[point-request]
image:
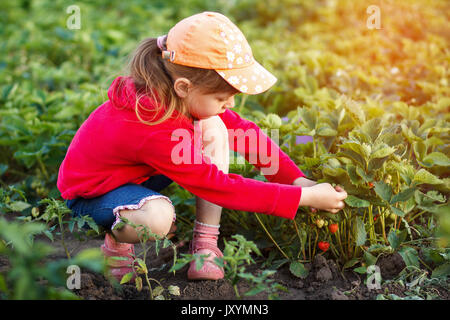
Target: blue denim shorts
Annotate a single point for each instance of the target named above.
(105, 209)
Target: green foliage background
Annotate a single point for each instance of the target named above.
(341, 83)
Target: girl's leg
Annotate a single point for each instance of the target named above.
(156, 215)
(140, 205)
(216, 147)
(206, 229)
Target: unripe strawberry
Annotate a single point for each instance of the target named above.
(41, 191)
(320, 222)
(388, 179)
(35, 212)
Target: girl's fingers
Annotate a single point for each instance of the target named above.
(342, 192)
(339, 208)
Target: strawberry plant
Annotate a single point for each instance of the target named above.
(387, 189)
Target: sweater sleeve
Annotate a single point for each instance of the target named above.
(246, 138)
(174, 154)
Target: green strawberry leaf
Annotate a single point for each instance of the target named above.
(298, 269)
(383, 190)
(356, 202)
(424, 177)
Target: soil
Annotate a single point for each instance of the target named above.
(325, 280)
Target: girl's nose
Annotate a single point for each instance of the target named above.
(230, 103)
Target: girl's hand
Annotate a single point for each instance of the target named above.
(340, 189)
(324, 197)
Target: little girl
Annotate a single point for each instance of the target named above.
(181, 87)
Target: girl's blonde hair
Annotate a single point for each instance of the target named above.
(154, 77)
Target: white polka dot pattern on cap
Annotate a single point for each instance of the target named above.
(238, 51)
(242, 72)
(253, 79)
(230, 56)
(233, 80)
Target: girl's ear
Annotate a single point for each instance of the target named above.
(182, 87)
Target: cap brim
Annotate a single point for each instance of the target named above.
(252, 79)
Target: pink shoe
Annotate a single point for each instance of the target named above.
(209, 270)
(118, 268)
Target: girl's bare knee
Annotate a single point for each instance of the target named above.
(156, 215)
(159, 216)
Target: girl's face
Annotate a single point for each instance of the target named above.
(203, 106)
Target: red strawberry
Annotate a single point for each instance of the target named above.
(333, 227)
(370, 185)
(323, 245)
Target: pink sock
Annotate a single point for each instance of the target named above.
(206, 233)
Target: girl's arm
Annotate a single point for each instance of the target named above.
(304, 182)
(182, 162)
(287, 169)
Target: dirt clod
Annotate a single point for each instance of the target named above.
(324, 274)
(390, 265)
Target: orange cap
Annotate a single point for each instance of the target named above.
(209, 40)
